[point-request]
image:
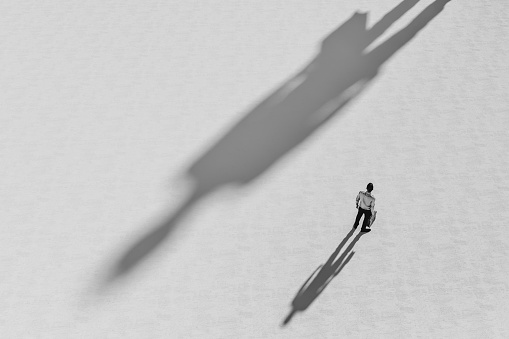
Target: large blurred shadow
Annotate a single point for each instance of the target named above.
(322, 276)
(288, 116)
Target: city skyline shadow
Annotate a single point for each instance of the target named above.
(322, 276)
(282, 121)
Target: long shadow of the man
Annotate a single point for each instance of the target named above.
(322, 276)
(287, 117)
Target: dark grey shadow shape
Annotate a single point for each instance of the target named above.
(322, 276)
(287, 117)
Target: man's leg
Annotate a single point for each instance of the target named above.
(359, 214)
(365, 222)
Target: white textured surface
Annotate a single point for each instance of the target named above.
(105, 103)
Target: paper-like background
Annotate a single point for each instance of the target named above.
(105, 103)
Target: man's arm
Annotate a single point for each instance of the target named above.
(373, 206)
(357, 200)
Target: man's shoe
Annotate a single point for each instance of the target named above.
(365, 230)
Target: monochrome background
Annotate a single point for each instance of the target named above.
(105, 104)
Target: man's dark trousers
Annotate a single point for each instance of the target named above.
(367, 217)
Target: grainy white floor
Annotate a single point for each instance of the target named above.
(104, 104)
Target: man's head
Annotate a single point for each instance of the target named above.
(369, 187)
